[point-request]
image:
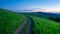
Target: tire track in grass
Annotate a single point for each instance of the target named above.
(19, 30)
(29, 27)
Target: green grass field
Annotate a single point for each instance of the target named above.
(10, 21)
(45, 26)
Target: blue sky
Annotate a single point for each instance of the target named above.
(48, 5)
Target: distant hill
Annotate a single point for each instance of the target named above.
(42, 14)
(58, 14)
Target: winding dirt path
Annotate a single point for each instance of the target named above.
(29, 28)
(21, 27)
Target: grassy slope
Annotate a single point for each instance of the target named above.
(45, 26)
(9, 21)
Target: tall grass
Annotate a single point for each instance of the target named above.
(10, 21)
(45, 26)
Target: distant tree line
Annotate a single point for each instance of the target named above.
(55, 19)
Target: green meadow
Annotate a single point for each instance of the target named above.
(10, 21)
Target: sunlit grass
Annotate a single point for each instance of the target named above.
(45, 26)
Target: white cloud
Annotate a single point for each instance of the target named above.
(47, 10)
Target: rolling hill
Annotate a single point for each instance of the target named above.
(42, 14)
(10, 21)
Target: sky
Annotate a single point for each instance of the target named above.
(34, 5)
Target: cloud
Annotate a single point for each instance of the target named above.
(47, 10)
(24, 10)
(39, 10)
